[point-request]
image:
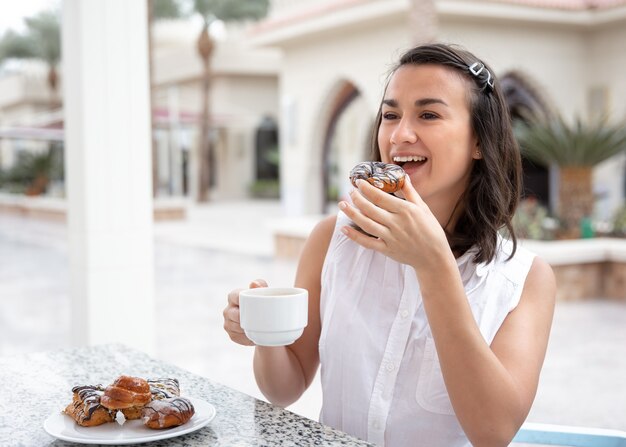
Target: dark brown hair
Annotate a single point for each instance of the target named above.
(491, 198)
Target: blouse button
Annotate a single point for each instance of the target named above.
(390, 367)
(404, 313)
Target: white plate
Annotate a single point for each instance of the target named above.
(63, 427)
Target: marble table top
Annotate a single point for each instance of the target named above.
(34, 386)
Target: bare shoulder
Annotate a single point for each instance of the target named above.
(318, 241)
(325, 227)
(540, 286)
(311, 262)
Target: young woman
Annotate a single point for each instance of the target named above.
(432, 329)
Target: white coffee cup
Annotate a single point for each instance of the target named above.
(273, 316)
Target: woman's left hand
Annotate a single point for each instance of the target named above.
(405, 230)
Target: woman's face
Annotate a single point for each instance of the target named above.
(426, 129)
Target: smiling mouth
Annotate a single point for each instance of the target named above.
(402, 160)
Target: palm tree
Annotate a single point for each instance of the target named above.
(210, 11)
(575, 149)
(41, 40)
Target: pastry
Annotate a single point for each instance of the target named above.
(164, 388)
(165, 413)
(128, 394)
(86, 408)
(385, 176)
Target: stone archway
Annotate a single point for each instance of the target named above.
(526, 102)
(344, 140)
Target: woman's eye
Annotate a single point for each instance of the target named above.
(389, 116)
(428, 116)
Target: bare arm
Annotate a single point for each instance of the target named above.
(491, 387)
(283, 373)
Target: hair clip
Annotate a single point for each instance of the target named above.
(476, 69)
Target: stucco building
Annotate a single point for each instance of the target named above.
(313, 72)
(243, 104)
(554, 56)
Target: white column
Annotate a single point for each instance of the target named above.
(108, 172)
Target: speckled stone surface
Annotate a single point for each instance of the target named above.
(34, 386)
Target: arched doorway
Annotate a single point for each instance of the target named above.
(266, 150)
(526, 103)
(345, 141)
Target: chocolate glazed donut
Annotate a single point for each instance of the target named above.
(385, 176)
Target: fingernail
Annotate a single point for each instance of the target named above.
(342, 205)
(344, 230)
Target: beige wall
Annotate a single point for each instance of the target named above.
(243, 101)
(561, 59)
(606, 66)
(311, 74)
(238, 103)
(554, 57)
(605, 69)
(28, 86)
(244, 88)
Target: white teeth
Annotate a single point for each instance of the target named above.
(409, 158)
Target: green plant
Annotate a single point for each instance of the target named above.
(272, 156)
(619, 222)
(532, 221)
(575, 149)
(579, 144)
(266, 189)
(32, 172)
(209, 11)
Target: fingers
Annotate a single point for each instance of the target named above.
(376, 196)
(364, 222)
(366, 241)
(232, 326)
(373, 209)
(232, 322)
(233, 297)
(409, 192)
(258, 283)
(236, 333)
(231, 319)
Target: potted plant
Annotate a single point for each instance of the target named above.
(575, 148)
(32, 172)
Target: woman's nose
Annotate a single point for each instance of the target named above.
(403, 133)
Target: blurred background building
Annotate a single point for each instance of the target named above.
(243, 104)
(293, 96)
(551, 57)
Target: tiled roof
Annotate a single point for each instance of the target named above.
(310, 10)
(567, 4)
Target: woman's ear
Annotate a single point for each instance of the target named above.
(477, 154)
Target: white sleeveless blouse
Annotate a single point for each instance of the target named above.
(380, 374)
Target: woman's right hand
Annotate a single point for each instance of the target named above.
(232, 324)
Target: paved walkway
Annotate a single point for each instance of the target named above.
(223, 246)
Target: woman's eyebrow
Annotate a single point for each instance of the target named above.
(419, 103)
(427, 101)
